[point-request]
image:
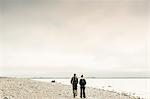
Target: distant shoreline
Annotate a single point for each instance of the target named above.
(85, 77)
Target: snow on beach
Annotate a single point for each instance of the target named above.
(19, 88)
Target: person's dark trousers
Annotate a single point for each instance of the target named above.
(74, 90)
(82, 92)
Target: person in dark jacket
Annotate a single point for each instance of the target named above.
(82, 87)
(74, 82)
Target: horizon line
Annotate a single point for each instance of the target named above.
(79, 77)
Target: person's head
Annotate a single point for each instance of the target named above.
(74, 74)
(81, 76)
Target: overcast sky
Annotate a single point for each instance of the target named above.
(47, 36)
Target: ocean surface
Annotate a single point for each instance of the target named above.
(135, 87)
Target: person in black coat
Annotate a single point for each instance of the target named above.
(74, 82)
(82, 87)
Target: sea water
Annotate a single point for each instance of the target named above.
(134, 87)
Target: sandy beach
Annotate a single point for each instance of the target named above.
(19, 88)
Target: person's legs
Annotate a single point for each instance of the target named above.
(84, 92)
(73, 89)
(74, 93)
(81, 92)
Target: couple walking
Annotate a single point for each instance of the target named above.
(82, 82)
